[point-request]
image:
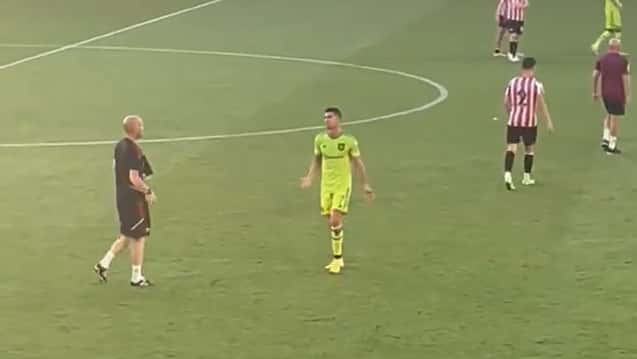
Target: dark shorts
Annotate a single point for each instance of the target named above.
(526, 135)
(614, 107)
(515, 27)
(134, 216)
(502, 22)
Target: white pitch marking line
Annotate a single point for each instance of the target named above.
(443, 94)
(108, 34)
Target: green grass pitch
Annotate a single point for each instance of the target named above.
(445, 264)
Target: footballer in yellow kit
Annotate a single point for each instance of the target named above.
(613, 24)
(335, 152)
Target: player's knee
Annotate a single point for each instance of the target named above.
(335, 222)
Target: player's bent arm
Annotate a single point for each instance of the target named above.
(138, 182)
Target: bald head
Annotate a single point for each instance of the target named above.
(614, 45)
(133, 126)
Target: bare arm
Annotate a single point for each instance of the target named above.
(596, 76)
(357, 161)
(315, 164)
(507, 104)
(138, 183)
(627, 88)
(545, 112)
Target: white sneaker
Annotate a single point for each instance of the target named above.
(513, 58)
(528, 181)
(508, 181)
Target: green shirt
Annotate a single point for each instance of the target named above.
(336, 154)
(611, 5)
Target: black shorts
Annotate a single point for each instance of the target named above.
(614, 107)
(502, 22)
(515, 27)
(526, 135)
(134, 215)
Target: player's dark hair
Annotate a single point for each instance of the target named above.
(528, 63)
(334, 110)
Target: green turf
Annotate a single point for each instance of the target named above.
(445, 264)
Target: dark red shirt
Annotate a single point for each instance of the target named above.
(128, 156)
(613, 66)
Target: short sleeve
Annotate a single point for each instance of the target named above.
(317, 146)
(507, 90)
(132, 158)
(354, 150)
(626, 67)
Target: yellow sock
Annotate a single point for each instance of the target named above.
(337, 242)
(605, 35)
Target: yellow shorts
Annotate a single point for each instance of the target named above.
(613, 20)
(335, 200)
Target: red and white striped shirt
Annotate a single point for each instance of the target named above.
(522, 94)
(502, 8)
(516, 9)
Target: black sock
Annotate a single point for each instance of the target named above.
(508, 161)
(513, 47)
(528, 163)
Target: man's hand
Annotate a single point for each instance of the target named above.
(550, 126)
(369, 192)
(151, 198)
(306, 182)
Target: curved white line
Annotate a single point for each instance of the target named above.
(443, 94)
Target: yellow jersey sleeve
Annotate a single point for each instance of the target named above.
(354, 149)
(317, 145)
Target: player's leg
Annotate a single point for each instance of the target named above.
(513, 138)
(614, 131)
(606, 132)
(340, 206)
(515, 32)
(336, 236)
(607, 34)
(101, 268)
(617, 24)
(137, 235)
(137, 246)
(499, 36)
(612, 25)
(529, 138)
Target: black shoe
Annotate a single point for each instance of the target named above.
(142, 283)
(605, 145)
(616, 151)
(101, 273)
(509, 186)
